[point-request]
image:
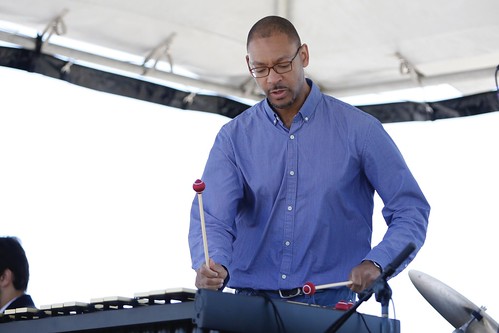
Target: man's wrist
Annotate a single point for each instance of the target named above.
(377, 266)
(226, 280)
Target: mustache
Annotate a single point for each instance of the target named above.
(277, 87)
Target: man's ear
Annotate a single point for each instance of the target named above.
(305, 57)
(6, 278)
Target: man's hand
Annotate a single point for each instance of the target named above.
(363, 275)
(210, 277)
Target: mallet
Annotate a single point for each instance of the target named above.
(309, 288)
(199, 187)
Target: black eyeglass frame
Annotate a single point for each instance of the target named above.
(278, 71)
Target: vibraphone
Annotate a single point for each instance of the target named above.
(185, 310)
(169, 310)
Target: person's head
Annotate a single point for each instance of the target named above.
(13, 263)
(274, 42)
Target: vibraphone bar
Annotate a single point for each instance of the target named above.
(184, 310)
(169, 310)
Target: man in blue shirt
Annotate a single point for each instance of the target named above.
(290, 185)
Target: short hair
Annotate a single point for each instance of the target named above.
(269, 25)
(13, 257)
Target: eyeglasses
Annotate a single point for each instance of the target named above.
(280, 68)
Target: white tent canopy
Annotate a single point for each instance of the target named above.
(356, 47)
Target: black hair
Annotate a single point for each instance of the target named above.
(13, 257)
(270, 25)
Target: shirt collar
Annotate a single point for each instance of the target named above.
(2, 310)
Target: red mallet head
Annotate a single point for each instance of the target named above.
(198, 186)
(308, 288)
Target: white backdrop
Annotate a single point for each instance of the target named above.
(98, 188)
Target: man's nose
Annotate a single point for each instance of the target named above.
(273, 76)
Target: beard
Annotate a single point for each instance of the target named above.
(277, 103)
(282, 106)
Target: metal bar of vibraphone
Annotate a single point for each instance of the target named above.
(177, 316)
(211, 310)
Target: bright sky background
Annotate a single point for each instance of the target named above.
(98, 188)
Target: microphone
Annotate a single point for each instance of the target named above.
(379, 287)
(388, 271)
(392, 267)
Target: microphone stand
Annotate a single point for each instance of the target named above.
(475, 316)
(379, 287)
(383, 295)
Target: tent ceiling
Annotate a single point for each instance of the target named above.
(356, 47)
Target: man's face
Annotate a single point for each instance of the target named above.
(284, 91)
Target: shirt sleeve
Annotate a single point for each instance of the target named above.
(406, 210)
(220, 201)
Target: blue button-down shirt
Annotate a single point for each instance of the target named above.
(283, 207)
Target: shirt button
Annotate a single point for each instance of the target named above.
(290, 208)
(292, 137)
(306, 118)
(287, 243)
(292, 173)
(283, 276)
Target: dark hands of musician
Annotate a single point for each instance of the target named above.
(363, 275)
(212, 277)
